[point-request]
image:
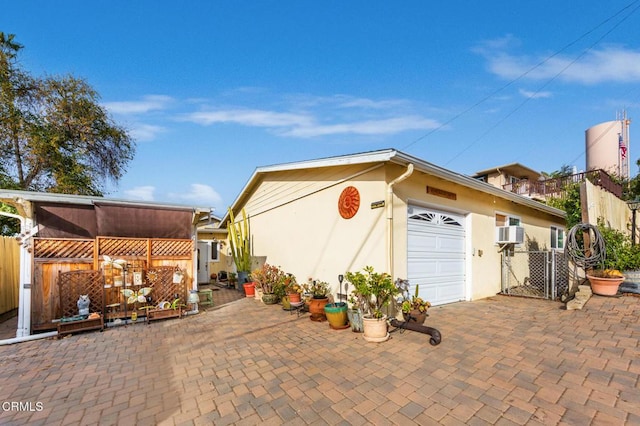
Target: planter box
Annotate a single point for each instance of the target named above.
(157, 314)
(80, 325)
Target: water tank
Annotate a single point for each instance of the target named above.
(603, 147)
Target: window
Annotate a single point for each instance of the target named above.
(557, 238)
(214, 250)
(506, 220)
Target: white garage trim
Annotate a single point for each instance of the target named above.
(436, 254)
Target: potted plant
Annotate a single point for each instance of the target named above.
(319, 291)
(239, 240)
(292, 289)
(269, 279)
(372, 292)
(620, 255)
(413, 308)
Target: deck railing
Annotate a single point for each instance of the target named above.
(556, 186)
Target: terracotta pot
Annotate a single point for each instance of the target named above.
(605, 286)
(249, 289)
(316, 308)
(336, 314)
(415, 316)
(375, 330)
(294, 297)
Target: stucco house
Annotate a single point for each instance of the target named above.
(395, 212)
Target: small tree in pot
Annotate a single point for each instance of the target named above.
(372, 292)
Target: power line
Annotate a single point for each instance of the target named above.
(510, 83)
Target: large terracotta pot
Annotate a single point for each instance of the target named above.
(316, 309)
(605, 286)
(337, 315)
(375, 330)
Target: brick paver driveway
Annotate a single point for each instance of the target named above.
(501, 361)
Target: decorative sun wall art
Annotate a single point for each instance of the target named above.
(349, 202)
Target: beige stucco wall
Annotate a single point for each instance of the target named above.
(483, 270)
(599, 203)
(295, 223)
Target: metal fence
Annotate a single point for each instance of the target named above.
(542, 274)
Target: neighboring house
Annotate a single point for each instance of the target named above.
(61, 233)
(397, 213)
(213, 249)
(512, 177)
(524, 181)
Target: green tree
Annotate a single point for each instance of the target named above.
(569, 201)
(54, 134)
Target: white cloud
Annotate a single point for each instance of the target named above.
(306, 124)
(199, 194)
(607, 64)
(142, 193)
(534, 95)
(369, 127)
(249, 117)
(145, 132)
(147, 104)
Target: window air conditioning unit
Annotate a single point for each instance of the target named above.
(510, 235)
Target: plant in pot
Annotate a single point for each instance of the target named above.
(292, 289)
(372, 292)
(620, 255)
(319, 291)
(413, 308)
(269, 280)
(240, 245)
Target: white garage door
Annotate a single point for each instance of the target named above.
(436, 255)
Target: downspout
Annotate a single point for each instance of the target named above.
(389, 204)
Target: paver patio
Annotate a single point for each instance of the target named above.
(504, 361)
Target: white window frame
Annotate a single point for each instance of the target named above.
(510, 220)
(555, 231)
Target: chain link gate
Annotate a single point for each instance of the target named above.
(542, 274)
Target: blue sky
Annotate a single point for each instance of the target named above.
(211, 90)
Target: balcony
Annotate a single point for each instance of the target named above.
(554, 187)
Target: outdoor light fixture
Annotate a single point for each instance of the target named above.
(633, 205)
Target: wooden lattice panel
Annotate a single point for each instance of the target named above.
(162, 248)
(74, 283)
(49, 248)
(164, 289)
(115, 247)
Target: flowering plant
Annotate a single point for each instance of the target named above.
(319, 289)
(291, 285)
(269, 278)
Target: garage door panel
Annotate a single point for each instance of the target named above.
(436, 255)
